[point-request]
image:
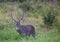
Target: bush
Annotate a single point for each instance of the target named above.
(25, 6)
(12, 1)
(49, 19)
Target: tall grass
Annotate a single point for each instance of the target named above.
(8, 32)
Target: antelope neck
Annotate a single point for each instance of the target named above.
(17, 27)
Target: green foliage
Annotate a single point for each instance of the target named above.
(49, 19)
(12, 1)
(2, 26)
(50, 15)
(10, 35)
(25, 6)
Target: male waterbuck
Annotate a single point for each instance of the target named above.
(23, 29)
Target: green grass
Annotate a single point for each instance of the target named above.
(9, 34)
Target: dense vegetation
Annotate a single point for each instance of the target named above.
(43, 15)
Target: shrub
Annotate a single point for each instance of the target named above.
(12, 1)
(49, 19)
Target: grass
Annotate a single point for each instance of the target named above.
(8, 32)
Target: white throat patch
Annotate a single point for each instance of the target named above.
(17, 28)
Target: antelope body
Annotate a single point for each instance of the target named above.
(23, 29)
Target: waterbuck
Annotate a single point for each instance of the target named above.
(28, 30)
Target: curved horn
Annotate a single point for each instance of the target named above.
(21, 18)
(13, 20)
